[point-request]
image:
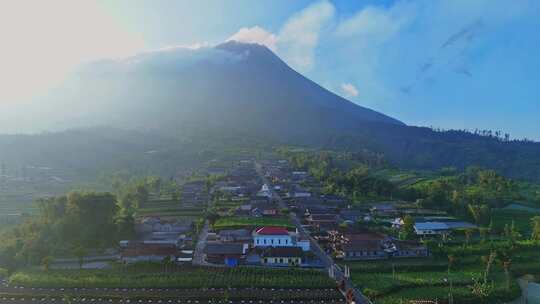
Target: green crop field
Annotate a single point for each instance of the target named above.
(238, 222)
(402, 280)
(150, 275)
(171, 208)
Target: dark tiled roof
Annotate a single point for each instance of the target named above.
(150, 249)
(363, 246)
(323, 217)
(235, 233)
(219, 248)
(283, 252)
(409, 245)
(365, 236)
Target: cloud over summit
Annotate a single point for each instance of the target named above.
(257, 35)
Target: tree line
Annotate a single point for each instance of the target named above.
(76, 224)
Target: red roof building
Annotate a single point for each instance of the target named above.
(270, 230)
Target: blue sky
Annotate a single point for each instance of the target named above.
(449, 63)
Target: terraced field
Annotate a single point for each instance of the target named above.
(428, 279)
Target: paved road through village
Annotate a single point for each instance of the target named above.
(327, 260)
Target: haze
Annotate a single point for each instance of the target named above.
(469, 64)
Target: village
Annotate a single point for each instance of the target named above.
(267, 214)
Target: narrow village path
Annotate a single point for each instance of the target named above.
(326, 259)
(198, 254)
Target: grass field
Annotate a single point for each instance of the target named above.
(150, 275)
(239, 222)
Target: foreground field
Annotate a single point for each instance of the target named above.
(151, 276)
(398, 281)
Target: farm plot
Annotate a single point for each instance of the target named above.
(171, 208)
(243, 222)
(150, 276)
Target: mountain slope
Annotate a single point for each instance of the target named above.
(244, 91)
(233, 86)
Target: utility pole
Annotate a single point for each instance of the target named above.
(331, 273)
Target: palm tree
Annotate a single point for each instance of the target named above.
(468, 232)
(535, 223)
(483, 231)
(46, 262)
(506, 262)
(166, 262)
(451, 260)
(488, 260)
(79, 252)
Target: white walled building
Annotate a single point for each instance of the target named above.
(278, 237)
(272, 237)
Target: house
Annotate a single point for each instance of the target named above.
(383, 209)
(244, 209)
(366, 246)
(372, 246)
(259, 200)
(320, 209)
(304, 244)
(282, 256)
(334, 200)
(299, 175)
(431, 228)
(439, 225)
(364, 250)
(409, 249)
(351, 215)
(230, 254)
(142, 252)
(456, 225)
(237, 235)
(265, 191)
(154, 224)
(324, 222)
(301, 193)
(366, 236)
(185, 257)
(272, 237)
(263, 210)
(322, 217)
(397, 223)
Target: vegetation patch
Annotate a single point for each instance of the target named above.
(240, 222)
(149, 275)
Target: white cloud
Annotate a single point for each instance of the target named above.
(349, 90)
(299, 36)
(193, 46)
(376, 25)
(257, 35)
(297, 39)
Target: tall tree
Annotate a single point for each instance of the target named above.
(506, 262)
(535, 223)
(80, 253)
(407, 230)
